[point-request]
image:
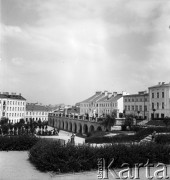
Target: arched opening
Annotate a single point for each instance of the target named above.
(85, 129)
(80, 128)
(70, 127)
(91, 129)
(66, 125)
(62, 124)
(74, 127)
(99, 128)
(59, 124)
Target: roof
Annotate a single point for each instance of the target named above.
(7, 96)
(115, 98)
(160, 85)
(92, 98)
(134, 95)
(34, 107)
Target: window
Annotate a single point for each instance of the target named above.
(152, 105)
(152, 95)
(125, 100)
(145, 108)
(162, 105)
(129, 100)
(133, 108)
(140, 99)
(125, 107)
(157, 105)
(162, 94)
(136, 99)
(132, 100)
(136, 108)
(140, 108)
(129, 108)
(157, 94)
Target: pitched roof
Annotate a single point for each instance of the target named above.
(114, 98)
(160, 85)
(134, 95)
(35, 107)
(7, 96)
(92, 98)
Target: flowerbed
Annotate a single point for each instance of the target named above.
(53, 156)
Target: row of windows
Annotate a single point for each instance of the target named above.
(100, 105)
(14, 114)
(136, 108)
(158, 105)
(36, 113)
(19, 103)
(135, 100)
(14, 108)
(158, 95)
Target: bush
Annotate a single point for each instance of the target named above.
(17, 143)
(52, 156)
(140, 134)
(162, 139)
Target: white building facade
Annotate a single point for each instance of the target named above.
(36, 112)
(12, 106)
(137, 105)
(159, 101)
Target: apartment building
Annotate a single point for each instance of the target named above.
(159, 100)
(36, 112)
(137, 104)
(103, 103)
(12, 106)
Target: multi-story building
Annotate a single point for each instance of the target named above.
(36, 112)
(12, 106)
(137, 104)
(103, 103)
(159, 101)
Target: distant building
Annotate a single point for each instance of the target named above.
(36, 112)
(137, 104)
(159, 100)
(12, 106)
(103, 103)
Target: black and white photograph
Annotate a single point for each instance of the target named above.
(84, 89)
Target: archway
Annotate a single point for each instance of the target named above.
(91, 129)
(62, 124)
(85, 129)
(99, 128)
(74, 127)
(70, 126)
(66, 125)
(80, 128)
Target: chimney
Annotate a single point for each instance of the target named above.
(105, 93)
(109, 94)
(114, 94)
(159, 83)
(19, 94)
(163, 82)
(98, 92)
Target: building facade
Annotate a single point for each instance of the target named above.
(103, 103)
(12, 106)
(159, 101)
(137, 104)
(36, 112)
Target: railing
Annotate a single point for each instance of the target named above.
(78, 117)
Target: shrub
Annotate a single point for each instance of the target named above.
(162, 139)
(52, 156)
(18, 143)
(142, 133)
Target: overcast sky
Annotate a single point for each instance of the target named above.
(62, 51)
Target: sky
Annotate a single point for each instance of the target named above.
(63, 51)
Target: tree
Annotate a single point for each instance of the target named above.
(22, 121)
(129, 120)
(108, 121)
(4, 121)
(166, 121)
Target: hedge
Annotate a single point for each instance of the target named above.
(17, 143)
(127, 138)
(53, 156)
